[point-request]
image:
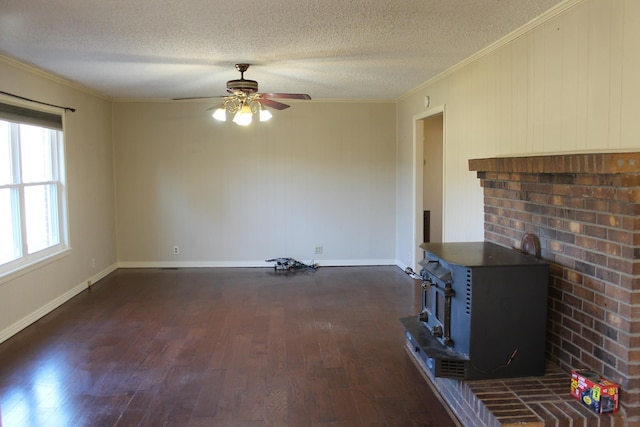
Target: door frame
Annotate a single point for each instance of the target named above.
(418, 178)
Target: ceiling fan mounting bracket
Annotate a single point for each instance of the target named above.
(242, 68)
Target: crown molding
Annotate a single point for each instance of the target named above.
(52, 77)
(529, 26)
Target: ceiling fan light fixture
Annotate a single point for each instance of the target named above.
(265, 114)
(220, 114)
(244, 116)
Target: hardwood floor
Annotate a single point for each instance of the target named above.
(223, 347)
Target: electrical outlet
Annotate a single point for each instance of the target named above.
(176, 250)
(318, 250)
(93, 263)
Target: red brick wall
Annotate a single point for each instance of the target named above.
(585, 209)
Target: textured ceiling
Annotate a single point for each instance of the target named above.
(330, 49)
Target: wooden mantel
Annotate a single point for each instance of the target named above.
(594, 163)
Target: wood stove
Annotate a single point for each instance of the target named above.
(484, 312)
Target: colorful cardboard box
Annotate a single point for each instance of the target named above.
(595, 392)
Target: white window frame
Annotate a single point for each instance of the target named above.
(27, 262)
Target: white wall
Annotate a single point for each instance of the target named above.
(566, 83)
(89, 160)
(317, 174)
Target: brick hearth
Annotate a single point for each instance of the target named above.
(522, 402)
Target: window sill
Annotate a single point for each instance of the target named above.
(36, 264)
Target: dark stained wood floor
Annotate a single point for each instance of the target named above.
(223, 347)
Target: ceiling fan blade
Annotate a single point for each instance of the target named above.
(286, 95)
(273, 104)
(198, 97)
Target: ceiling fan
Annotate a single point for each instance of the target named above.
(244, 100)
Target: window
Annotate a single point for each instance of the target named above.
(32, 192)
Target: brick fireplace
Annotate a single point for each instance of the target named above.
(585, 209)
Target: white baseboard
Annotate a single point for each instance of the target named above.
(401, 265)
(52, 305)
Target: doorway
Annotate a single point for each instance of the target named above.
(429, 178)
